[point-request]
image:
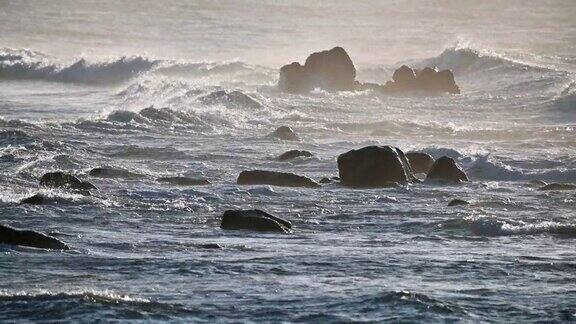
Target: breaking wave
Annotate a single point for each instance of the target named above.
(21, 64)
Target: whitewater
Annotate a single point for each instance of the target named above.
(137, 85)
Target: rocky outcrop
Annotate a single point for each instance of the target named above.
(183, 181)
(428, 79)
(420, 162)
(292, 154)
(374, 166)
(558, 186)
(107, 172)
(458, 202)
(37, 199)
(273, 178)
(333, 70)
(255, 220)
(285, 133)
(66, 181)
(445, 169)
(330, 70)
(12, 236)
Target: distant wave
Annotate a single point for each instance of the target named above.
(83, 305)
(19, 64)
(461, 59)
(493, 226)
(485, 168)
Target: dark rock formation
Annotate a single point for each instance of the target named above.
(256, 220)
(445, 169)
(331, 70)
(374, 166)
(107, 172)
(420, 162)
(559, 186)
(37, 199)
(428, 79)
(281, 179)
(230, 99)
(62, 180)
(458, 202)
(184, 181)
(9, 235)
(292, 154)
(285, 133)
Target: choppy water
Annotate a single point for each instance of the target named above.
(76, 85)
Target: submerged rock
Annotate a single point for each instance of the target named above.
(107, 172)
(62, 180)
(374, 166)
(458, 202)
(184, 181)
(12, 236)
(330, 70)
(420, 162)
(285, 133)
(292, 154)
(256, 220)
(37, 199)
(228, 99)
(445, 169)
(274, 178)
(558, 186)
(536, 183)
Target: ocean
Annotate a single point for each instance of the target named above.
(86, 84)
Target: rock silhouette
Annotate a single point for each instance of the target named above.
(256, 220)
(12, 236)
(330, 70)
(558, 186)
(273, 178)
(107, 172)
(458, 202)
(285, 133)
(292, 154)
(428, 79)
(374, 166)
(445, 169)
(420, 162)
(62, 180)
(184, 181)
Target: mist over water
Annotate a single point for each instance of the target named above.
(132, 85)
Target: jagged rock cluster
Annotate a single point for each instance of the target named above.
(333, 70)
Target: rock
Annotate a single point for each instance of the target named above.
(420, 162)
(294, 79)
(107, 172)
(559, 186)
(9, 235)
(256, 220)
(183, 181)
(374, 166)
(292, 154)
(37, 199)
(458, 202)
(404, 75)
(285, 133)
(230, 99)
(427, 79)
(331, 70)
(62, 180)
(445, 169)
(211, 246)
(273, 178)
